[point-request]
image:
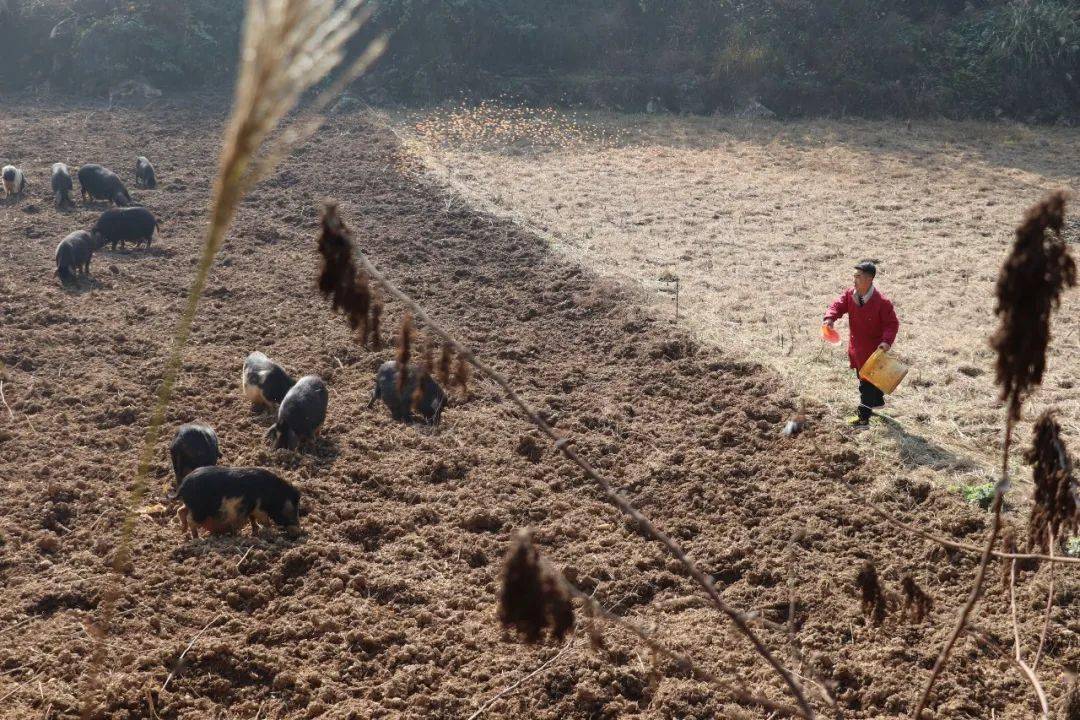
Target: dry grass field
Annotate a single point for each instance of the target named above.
(761, 222)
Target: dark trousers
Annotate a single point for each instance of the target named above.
(870, 397)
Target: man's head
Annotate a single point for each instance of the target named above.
(864, 276)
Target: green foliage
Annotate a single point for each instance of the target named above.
(1072, 547)
(981, 495)
(870, 57)
(1022, 58)
(93, 45)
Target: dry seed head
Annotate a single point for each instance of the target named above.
(531, 597)
(426, 363)
(404, 352)
(917, 604)
(445, 359)
(376, 316)
(873, 596)
(339, 278)
(1032, 279)
(1055, 509)
(343, 282)
(461, 375)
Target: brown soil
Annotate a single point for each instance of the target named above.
(387, 607)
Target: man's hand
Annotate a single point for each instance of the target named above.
(829, 324)
(885, 346)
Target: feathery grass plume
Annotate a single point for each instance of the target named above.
(1055, 510)
(873, 595)
(1032, 279)
(917, 604)
(288, 46)
(531, 598)
(446, 357)
(404, 352)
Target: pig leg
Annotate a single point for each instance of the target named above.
(182, 513)
(254, 525)
(374, 395)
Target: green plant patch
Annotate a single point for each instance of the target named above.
(982, 495)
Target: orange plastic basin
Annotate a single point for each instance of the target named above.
(829, 334)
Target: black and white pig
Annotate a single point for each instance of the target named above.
(144, 173)
(193, 447)
(119, 225)
(74, 254)
(102, 184)
(61, 184)
(14, 181)
(432, 397)
(300, 414)
(223, 500)
(264, 381)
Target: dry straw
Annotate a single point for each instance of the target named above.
(288, 46)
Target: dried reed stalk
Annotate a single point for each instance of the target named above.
(288, 46)
(404, 354)
(1032, 279)
(1046, 613)
(624, 505)
(1018, 655)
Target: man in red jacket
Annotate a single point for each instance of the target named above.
(872, 323)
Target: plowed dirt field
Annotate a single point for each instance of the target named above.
(385, 608)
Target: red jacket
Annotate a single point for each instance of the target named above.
(870, 325)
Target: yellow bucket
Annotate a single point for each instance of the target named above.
(883, 371)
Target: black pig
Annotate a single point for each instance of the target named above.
(144, 173)
(301, 413)
(222, 500)
(119, 225)
(61, 184)
(102, 184)
(193, 447)
(264, 381)
(432, 397)
(74, 254)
